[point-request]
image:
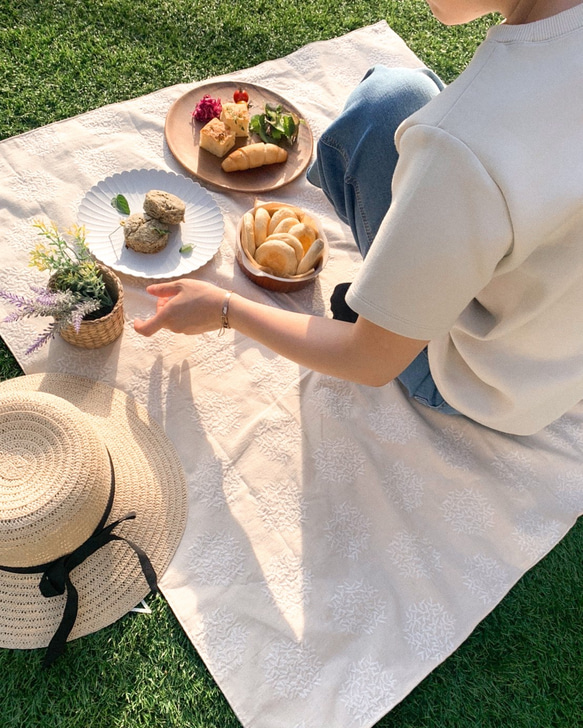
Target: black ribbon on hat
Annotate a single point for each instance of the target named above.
(56, 575)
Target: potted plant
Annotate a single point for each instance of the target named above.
(84, 298)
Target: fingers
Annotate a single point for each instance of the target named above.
(163, 292)
(149, 327)
(185, 307)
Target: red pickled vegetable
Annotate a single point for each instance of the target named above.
(207, 109)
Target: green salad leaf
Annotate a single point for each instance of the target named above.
(275, 125)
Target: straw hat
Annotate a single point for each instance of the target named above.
(77, 457)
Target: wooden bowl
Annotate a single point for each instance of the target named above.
(266, 280)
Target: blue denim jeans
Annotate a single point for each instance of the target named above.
(356, 158)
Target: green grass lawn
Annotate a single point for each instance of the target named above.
(521, 668)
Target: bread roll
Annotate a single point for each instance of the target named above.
(312, 257)
(248, 233)
(262, 219)
(285, 225)
(252, 156)
(278, 257)
(281, 214)
(304, 233)
(291, 241)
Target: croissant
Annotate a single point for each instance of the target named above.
(253, 155)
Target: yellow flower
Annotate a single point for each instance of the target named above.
(78, 232)
(38, 257)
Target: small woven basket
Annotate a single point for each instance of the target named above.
(102, 331)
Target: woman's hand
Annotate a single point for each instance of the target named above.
(361, 352)
(185, 307)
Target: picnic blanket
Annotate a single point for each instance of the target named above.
(342, 540)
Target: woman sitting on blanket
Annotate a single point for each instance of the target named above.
(471, 290)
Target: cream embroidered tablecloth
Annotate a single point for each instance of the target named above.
(341, 540)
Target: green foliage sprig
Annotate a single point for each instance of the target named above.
(70, 262)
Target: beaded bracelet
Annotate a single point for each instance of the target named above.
(225, 314)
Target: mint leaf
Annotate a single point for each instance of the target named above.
(120, 203)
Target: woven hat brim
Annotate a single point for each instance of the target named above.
(149, 480)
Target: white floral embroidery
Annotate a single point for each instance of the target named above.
(221, 640)
(570, 490)
(404, 486)
(535, 534)
(485, 577)
(514, 469)
(280, 505)
(253, 76)
(310, 299)
(278, 437)
(430, 630)
(97, 163)
(22, 237)
(18, 280)
(210, 354)
(288, 584)
(22, 336)
(95, 364)
(339, 461)
(292, 669)
(313, 199)
(160, 341)
(368, 689)
(216, 558)
(393, 423)
(220, 414)
(34, 186)
(305, 61)
(214, 483)
(157, 103)
(348, 531)
(274, 376)
(318, 127)
(566, 432)
(468, 511)
(153, 141)
(454, 448)
(151, 386)
(414, 556)
(357, 608)
(333, 398)
(43, 142)
(104, 121)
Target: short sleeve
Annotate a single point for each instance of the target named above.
(447, 229)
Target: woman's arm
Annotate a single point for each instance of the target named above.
(361, 352)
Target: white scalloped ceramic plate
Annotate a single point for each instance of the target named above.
(203, 225)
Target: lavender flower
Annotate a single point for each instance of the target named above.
(77, 287)
(67, 309)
